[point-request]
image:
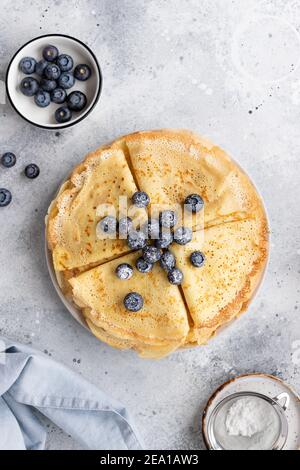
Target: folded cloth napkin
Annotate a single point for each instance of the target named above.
(30, 381)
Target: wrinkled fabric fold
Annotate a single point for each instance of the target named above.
(30, 381)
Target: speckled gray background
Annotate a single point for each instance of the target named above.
(227, 69)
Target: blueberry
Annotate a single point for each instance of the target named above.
(32, 171)
(58, 95)
(8, 159)
(42, 98)
(5, 197)
(183, 235)
(151, 254)
(167, 260)
(63, 114)
(168, 219)
(50, 53)
(165, 239)
(29, 86)
(40, 67)
(151, 229)
(76, 101)
(108, 224)
(52, 72)
(140, 199)
(143, 266)
(124, 271)
(133, 302)
(175, 276)
(197, 259)
(194, 203)
(82, 72)
(48, 85)
(125, 226)
(65, 62)
(66, 80)
(136, 240)
(27, 65)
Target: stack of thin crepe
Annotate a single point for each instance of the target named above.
(232, 233)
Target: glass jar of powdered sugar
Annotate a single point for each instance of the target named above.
(249, 421)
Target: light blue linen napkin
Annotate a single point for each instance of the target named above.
(31, 381)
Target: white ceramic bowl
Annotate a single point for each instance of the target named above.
(44, 117)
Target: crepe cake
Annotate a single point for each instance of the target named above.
(169, 165)
(99, 181)
(162, 323)
(233, 234)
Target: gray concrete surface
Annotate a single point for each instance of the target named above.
(226, 69)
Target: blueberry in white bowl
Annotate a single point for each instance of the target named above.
(28, 65)
(48, 85)
(54, 55)
(40, 67)
(42, 98)
(76, 101)
(66, 80)
(82, 72)
(50, 53)
(29, 86)
(52, 72)
(65, 62)
(63, 114)
(58, 95)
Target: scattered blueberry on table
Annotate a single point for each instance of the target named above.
(55, 76)
(8, 159)
(5, 197)
(32, 171)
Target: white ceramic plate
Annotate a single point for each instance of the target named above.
(266, 385)
(44, 117)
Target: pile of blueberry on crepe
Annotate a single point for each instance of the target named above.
(55, 76)
(163, 233)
